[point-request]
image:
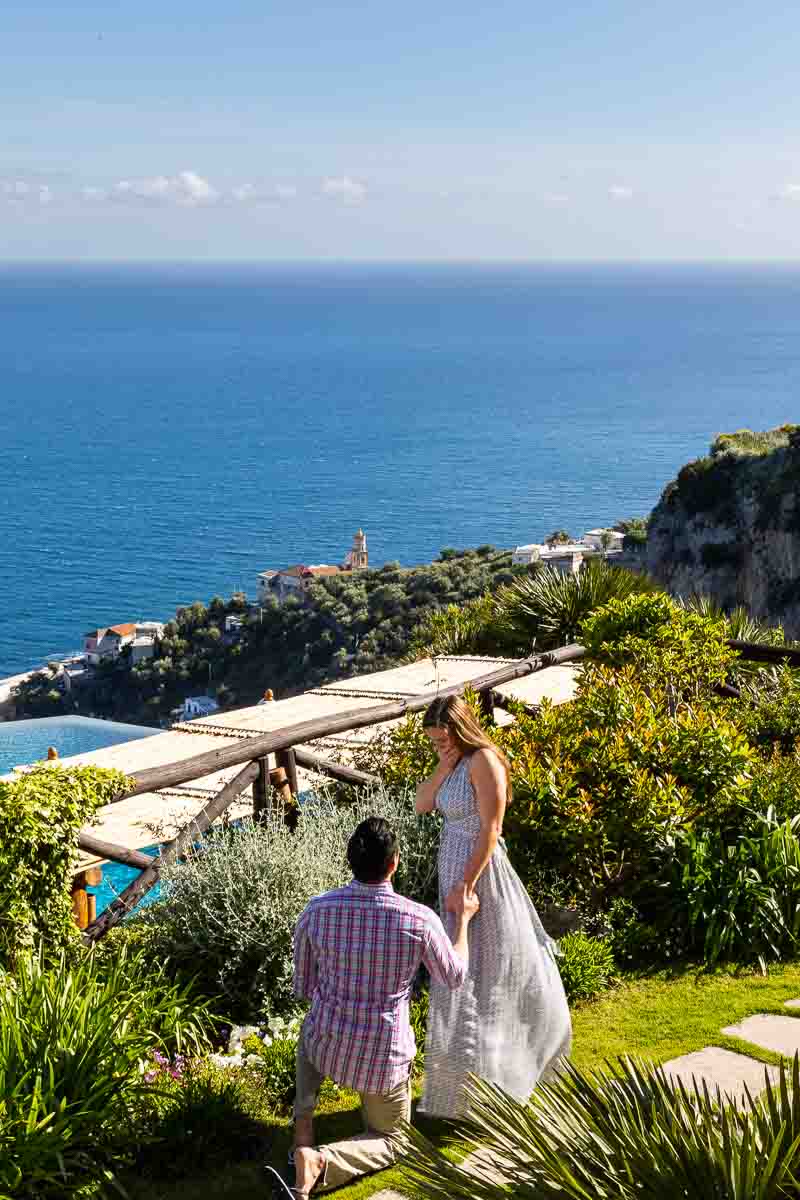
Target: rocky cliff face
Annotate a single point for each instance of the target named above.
(729, 526)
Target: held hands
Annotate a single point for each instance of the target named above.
(461, 901)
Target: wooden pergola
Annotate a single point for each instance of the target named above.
(252, 756)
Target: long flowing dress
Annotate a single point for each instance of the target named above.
(509, 1022)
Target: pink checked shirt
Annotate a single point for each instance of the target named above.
(356, 952)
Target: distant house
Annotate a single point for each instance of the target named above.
(293, 581)
(197, 706)
(566, 557)
(75, 674)
(151, 629)
(609, 540)
(100, 644)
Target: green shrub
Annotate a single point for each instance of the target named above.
(41, 812)
(418, 1015)
(601, 784)
(628, 1133)
(776, 786)
(231, 908)
(586, 965)
(72, 1037)
(197, 1118)
(671, 646)
(769, 710)
(739, 898)
(277, 1063)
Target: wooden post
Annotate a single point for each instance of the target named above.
(261, 789)
(282, 791)
(486, 699)
(84, 906)
(287, 760)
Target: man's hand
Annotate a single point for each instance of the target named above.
(471, 904)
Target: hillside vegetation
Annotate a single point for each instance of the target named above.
(352, 624)
(729, 526)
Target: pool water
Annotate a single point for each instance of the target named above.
(24, 742)
(116, 878)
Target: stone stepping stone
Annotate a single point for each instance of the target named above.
(791, 1004)
(723, 1069)
(780, 1034)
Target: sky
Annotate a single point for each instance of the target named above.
(256, 130)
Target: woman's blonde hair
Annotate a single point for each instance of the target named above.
(454, 714)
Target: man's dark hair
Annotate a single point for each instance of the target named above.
(371, 849)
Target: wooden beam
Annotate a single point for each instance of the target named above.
(113, 852)
(140, 886)
(756, 652)
(152, 779)
(325, 766)
(510, 704)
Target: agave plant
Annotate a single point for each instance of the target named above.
(628, 1133)
(545, 610)
(741, 627)
(457, 629)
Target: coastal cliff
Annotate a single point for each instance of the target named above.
(729, 526)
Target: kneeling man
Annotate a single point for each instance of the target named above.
(357, 950)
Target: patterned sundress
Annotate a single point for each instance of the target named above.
(509, 1022)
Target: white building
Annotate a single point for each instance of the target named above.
(566, 557)
(108, 642)
(197, 706)
(596, 538)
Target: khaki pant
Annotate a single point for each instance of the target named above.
(374, 1150)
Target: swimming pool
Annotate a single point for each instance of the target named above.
(116, 878)
(23, 742)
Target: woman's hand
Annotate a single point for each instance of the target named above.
(449, 757)
(456, 897)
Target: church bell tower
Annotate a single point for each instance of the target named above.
(357, 558)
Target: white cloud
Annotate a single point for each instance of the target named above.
(186, 189)
(17, 191)
(790, 191)
(345, 189)
(620, 192)
(192, 189)
(248, 193)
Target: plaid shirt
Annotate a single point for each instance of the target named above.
(356, 952)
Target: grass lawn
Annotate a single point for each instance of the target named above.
(658, 1016)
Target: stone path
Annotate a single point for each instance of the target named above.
(727, 1070)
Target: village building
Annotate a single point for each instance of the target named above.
(569, 557)
(293, 581)
(109, 642)
(196, 706)
(609, 540)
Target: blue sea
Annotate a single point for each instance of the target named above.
(166, 432)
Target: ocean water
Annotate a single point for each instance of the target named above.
(168, 432)
(24, 742)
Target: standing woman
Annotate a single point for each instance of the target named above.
(509, 1022)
